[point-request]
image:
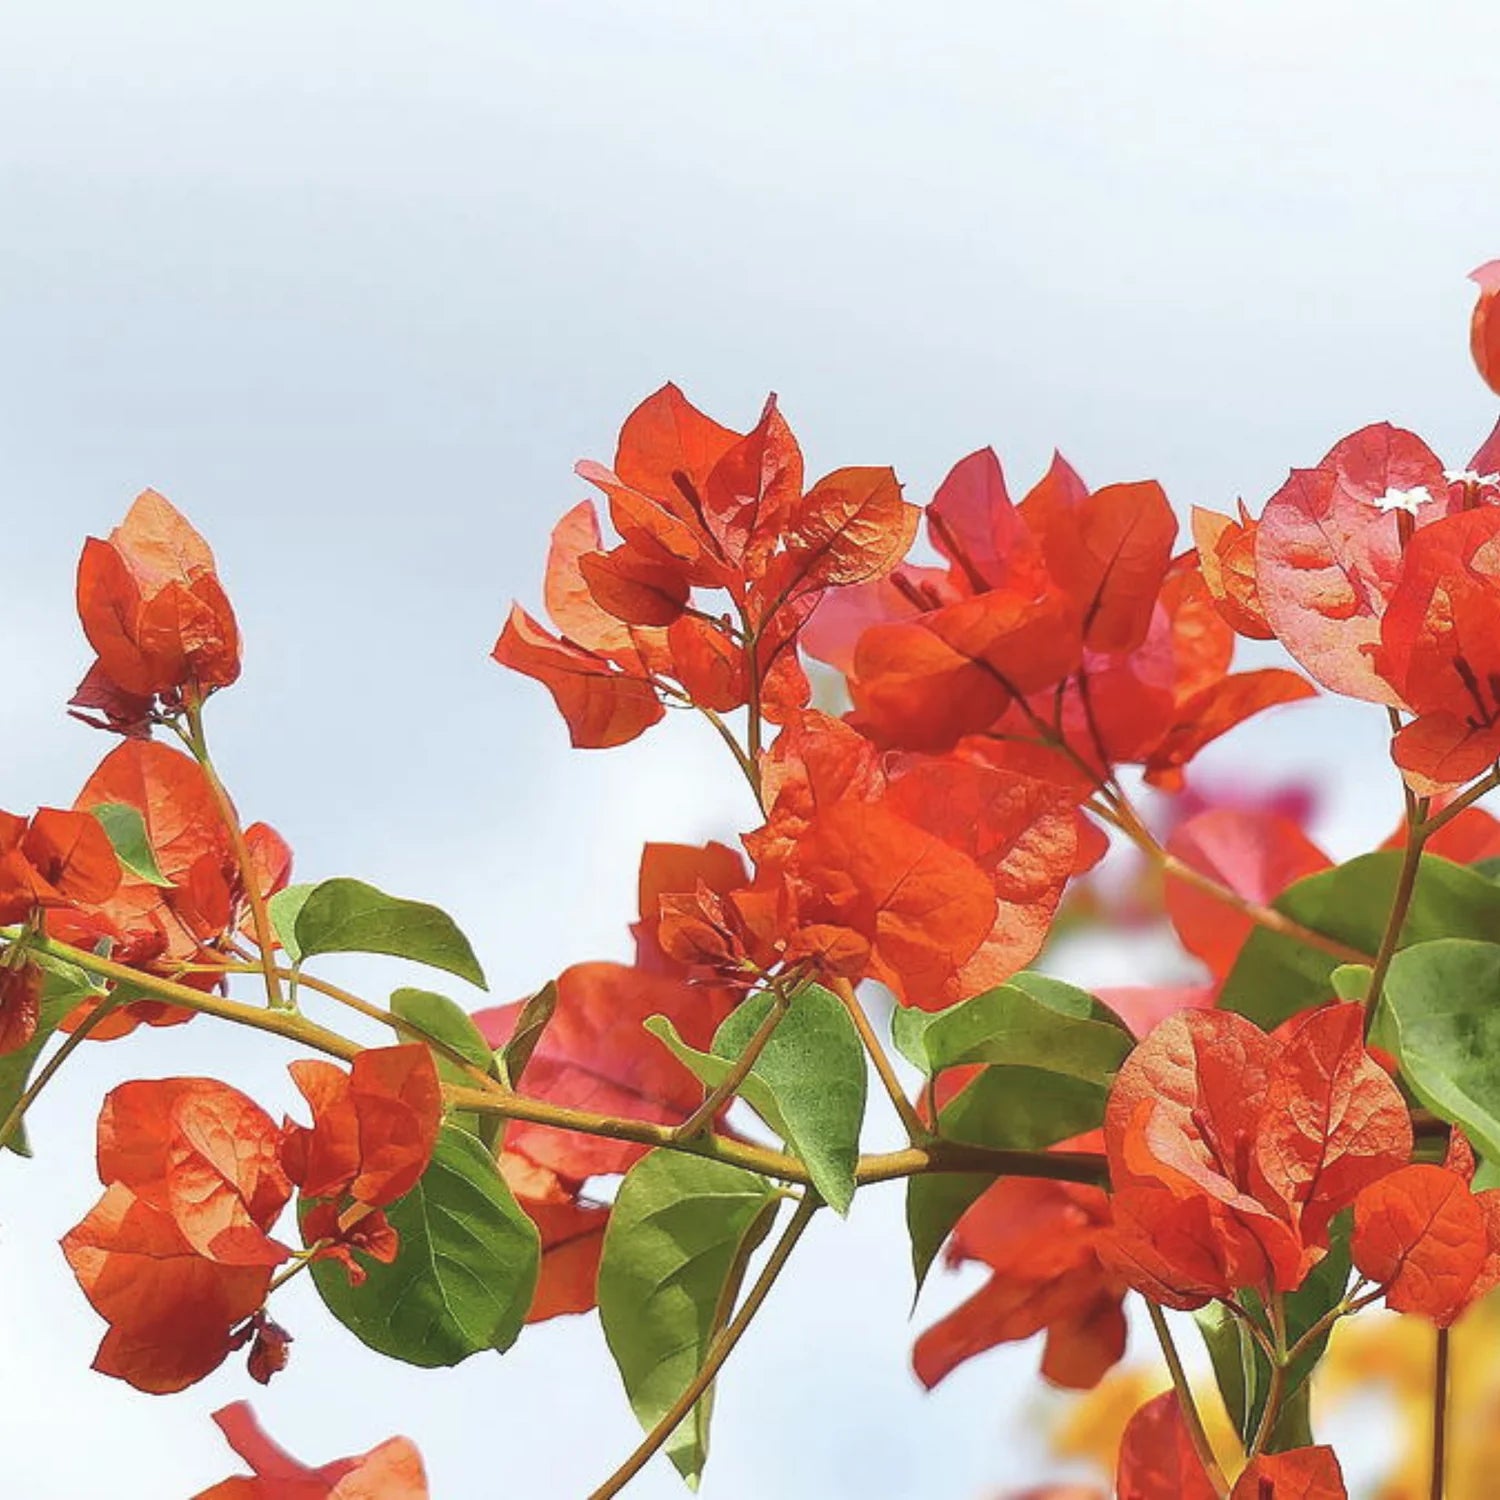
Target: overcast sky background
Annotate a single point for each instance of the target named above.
(355, 284)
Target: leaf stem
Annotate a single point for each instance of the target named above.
(1263, 916)
(1280, 1359)
(916, 1131)
(260, 916)
(1440, 1384)
(1486, 783)
(1252, 1327)
(284, 1023)
(703, 1117)
(1185, 1403)
(1406, 884)
(399, 1024)
(1350, 1304)
(718, 1351)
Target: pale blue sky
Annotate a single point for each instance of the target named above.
(354, 285)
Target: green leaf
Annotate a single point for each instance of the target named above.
(1352, 981)
(1067, 999)
(1440, 1015)
(466, 1271)
(1058, 1032)
(1276, 976)
(536, 1015)
(808, 1083)
(283, 909)
(445, 1021)
(679, 1237)
(1012, 1108)
(1234, 1356)
(348, 916)
(63, 987)
(126, 830)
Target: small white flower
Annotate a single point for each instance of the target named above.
(1407, 500)
(1470, 476)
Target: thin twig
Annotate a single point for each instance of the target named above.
(1486, 783)
(1439, 1416)
(1406, 884)
(260, 918)
(1185, 1403)
(717, 1097)
(398, 1024)
(916, 1131)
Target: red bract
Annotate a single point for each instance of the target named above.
(156, 928)
(1157, 1459)
(1438, 650)
(1300, 1474)
(56, 859)
(1108, 551)
(669, 872)
(176, 1254)
(938, 878)
(1038, 1238)
(1226, 555)
(1328, 551)
(373, 1127)
(699, 507)
(1230, 1151)
(391, 1471)
(154, 610)
(1158, 1462)
(1484, 330)
(572, 1231)
(1256, 855)
(1432, 1242)
(20, 1003)
(1062, 621)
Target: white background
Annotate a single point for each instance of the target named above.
(355, 284)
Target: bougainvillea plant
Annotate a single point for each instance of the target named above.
(1313, 1129)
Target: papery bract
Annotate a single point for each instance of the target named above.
(163, 928)
(176, 1254)
(391, 1471)
(1429, 1240)
(1298, 1474)
(20, 1004)
(572, 1232)
(1230, 1151)
(937, 878)
(1109, 551)
(1157, 1459)
(1037, 1237)
(1438, 650)
(1328, 552)
(1484, 328)
(1255, 855)
(603, 705)
(1226, 555)
(373, 1127)
(153, 609)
